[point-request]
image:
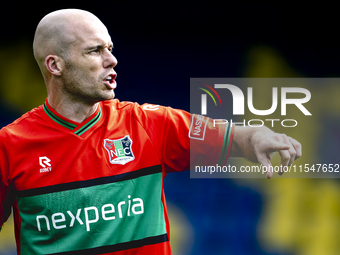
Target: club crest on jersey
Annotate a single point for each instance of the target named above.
(120, 150)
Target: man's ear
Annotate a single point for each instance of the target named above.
(53, 65)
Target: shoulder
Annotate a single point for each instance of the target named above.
(134, 108)
(126, 105)
(21, 125)
(145, 113)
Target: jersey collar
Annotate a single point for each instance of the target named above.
(77, 128)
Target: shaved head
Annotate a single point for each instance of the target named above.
(58, 30)
(73, 49)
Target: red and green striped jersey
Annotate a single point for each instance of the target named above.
(97, 187)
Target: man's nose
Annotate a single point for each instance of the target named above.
(110, 60)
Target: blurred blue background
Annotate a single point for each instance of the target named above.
(159, 46)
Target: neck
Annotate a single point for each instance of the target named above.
(75, 111)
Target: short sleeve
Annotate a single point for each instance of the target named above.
(183, 139)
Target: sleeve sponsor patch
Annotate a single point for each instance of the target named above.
(198, 127)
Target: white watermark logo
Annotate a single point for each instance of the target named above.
(238, 99)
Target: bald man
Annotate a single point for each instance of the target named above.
(84, 172)
(73, 50)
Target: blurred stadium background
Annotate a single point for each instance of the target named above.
(159, 46)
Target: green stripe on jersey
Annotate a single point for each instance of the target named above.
(91, 123)
(94, 216)
(227, 146)
(226, 140)
(57, 119)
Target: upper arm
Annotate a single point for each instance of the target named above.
(182, 138)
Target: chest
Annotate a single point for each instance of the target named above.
(51, 158)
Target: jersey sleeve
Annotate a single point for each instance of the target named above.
(5, 198)
(183, 139)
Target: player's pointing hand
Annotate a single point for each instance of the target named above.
(259, 144)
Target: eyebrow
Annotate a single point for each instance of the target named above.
(99, 46)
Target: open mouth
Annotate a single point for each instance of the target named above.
(110, 81)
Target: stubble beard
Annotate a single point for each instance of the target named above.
(81, 86)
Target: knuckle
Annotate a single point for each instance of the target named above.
(292, 152)
(298, 146)
(295, 143)
(285, 156)
(283, 135)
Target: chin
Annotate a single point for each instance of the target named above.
(112, 95)
(108, 96)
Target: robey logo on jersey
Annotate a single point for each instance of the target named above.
(119, 150)
(44, 162)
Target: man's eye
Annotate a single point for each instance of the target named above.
(94, 51)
